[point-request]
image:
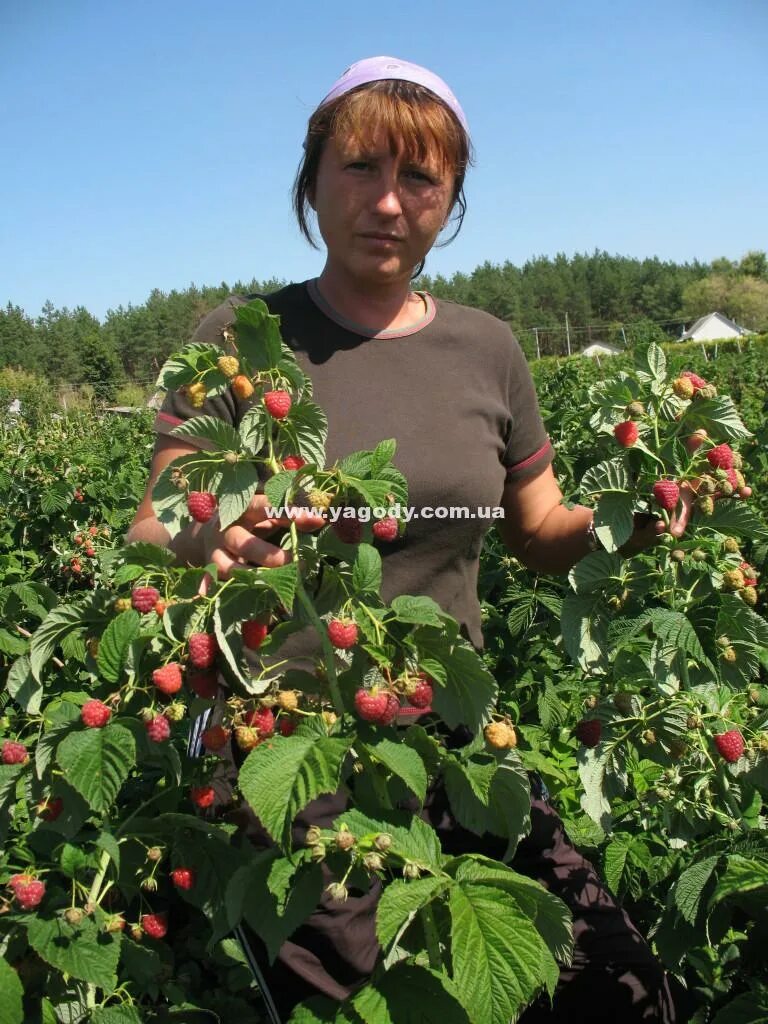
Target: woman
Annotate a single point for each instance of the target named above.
(383, 170)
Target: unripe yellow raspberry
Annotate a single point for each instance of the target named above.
(320, 499)
(500, 736)
(242, 386)
(196, 394)
(228, 365)
(733, 579)
(288, 700)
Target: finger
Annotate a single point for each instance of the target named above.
(242, 543)
(205, 585)
(681, 519)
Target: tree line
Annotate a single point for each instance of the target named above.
(605, 297)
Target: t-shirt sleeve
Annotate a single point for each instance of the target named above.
(175, 408)
(528, 449)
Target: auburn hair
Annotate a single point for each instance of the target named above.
(413, 118)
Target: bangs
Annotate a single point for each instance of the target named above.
(415, 123)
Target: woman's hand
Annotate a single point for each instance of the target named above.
(248, 541)
(649, 529)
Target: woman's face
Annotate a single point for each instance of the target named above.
(379, 213)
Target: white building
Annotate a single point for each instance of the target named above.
(714, 327)
(600, 348)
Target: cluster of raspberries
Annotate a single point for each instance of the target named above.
(382, 706)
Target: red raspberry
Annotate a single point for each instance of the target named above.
(79, 540)
(184, 878)
(94, 531)
(76, 565)
(278, 404)
(28, 891)
(342, 634)
(50, 809)
(78, 495)
(158, 728)
(204, 684)
(263, 721)
(626, 433)
(667, 494)
(422, 695)
(254, 633)
(215, 738)
(588, 731)
(391, 710)
(720, 457)
(155, 925)
(386, 529)
(89, 552)
(733, 479)
(168, 678)
(201, 505)
(203, 648)
(144, 599)
(202, 796)
(698, 382)
(95, 714)
(287, 726)
(750, 580)
(14, 753)
(371, 706)
(349, 531)
(293, 462)
(730, 745)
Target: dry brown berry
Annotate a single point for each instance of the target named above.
(623, 702)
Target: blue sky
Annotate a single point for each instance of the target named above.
(153, 144)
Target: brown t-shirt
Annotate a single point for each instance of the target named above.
(453, 390)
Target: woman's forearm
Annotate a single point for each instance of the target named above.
(561, 540)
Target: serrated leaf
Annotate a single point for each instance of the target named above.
(253, 429)
(718, 416)
(220, 434)
(677, 633)
(366, 570)
(50, 633)
(150, 556)
(97, 762)
(611, 475)
(306, 429)
(127, 574)
(401, 995)
(421, 611)
(688, 890)
(23, 687)
(182, 367)
(115, 644)
(238, 485)
(320, 1010)
(614, 520)
(258, 335)
(615, 860)
(402, 761)
(400, 902)
(469, 692)
(383, 454)
(278, 486)
(124, 1014)
(499, 960)
(747, 1008)
(594, 802)
(742, 874)
(283, 580)
(595, 573)
(412, 838)
(11, 994)
(735, 518)
(56, 498)
(107, 842)
(651, 360)
(273, 919)
(279, 779)
(584, 628)
(83, 952)
(520, 615)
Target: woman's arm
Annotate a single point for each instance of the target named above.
(242, 543)
(548, 537)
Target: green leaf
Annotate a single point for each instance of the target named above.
(11, 993)
(283, 580)
(614, 520)
(56, 498)
(402, 761)
(253, 429)
(400, 902)
(319, 1010)
(402, 995)
(615, 860)
(421, 611)
(150, 556)
(258, 335)
(221, 435)
(412, 838)
(499, 960)
(718, 416)
(115, 644)
(520, 616)
(183, 366)
(595, 573)
(748, 1008)
(83, 952)
(23, 687)
(278, 486)
(279, 779)
(468, 787)
(382, 455)
(651, 361)
(742, 874)
(585, 628)
(50, 633)
(306, 429)
(366, 570)
(238, 485)
(735, 518)
(676, 631)
(124, 1014)
(72, 860)
(594, 802)
(469, 692)
(611, 475)
(688, 890)
(97, 762)
(107, 842)
(510, 802)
